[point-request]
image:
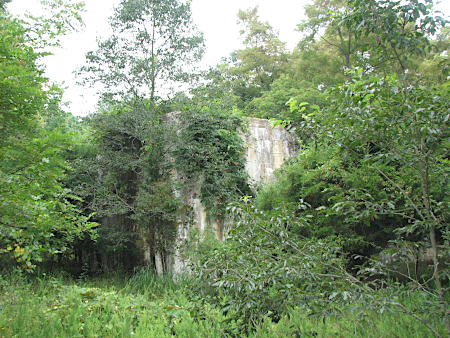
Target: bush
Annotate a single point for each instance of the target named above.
(264, 269)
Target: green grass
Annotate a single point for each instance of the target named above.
(148, 306)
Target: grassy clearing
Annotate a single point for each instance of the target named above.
(149, 306)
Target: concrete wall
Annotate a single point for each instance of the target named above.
(267, 149)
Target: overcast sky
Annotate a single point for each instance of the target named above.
(216, 19)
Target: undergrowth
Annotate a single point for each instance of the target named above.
(146, 305)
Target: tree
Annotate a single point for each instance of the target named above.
(323, 21)
(57, 18)
(21, 94)
(305, 78)
(127, 183)
(153, 47)
(37, 215)
(261, 62)
(397, 120)
(382, 138)
(153, 42)
(3, 3)
(321, 175)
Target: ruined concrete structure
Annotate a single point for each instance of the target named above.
(267, 149)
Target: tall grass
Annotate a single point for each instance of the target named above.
(150, 306)
(146, 281)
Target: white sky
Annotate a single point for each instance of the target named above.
(217, 19)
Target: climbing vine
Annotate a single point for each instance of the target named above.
(211, 152)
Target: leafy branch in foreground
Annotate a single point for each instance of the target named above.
(395, 120)
(265, 270)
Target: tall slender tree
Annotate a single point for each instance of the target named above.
(152, 45)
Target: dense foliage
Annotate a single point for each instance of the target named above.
(37, 213)
(324, 178)
(211, 152)
(372, 176)
(151, 306)
(356, 222)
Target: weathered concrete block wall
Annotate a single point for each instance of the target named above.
(268, 148)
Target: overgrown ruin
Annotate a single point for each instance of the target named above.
(268, 148)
